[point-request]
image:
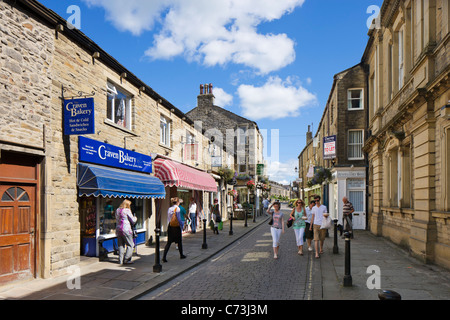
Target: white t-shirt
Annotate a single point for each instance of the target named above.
(318, 213)
(193, 208)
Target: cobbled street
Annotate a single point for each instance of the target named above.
(247, 270)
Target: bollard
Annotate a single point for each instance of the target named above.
(389, 295)
(231, 223)
(348, 276)
(157, 267)
(246, 213)
(204, 245)
(335, 247)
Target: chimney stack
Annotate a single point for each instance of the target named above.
(206, 97)
(308, 135)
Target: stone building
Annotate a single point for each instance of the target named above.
(238, 136)
(51, 213)
(336, 148)
(409, 126)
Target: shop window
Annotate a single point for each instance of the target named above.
(118, 106)
(107, 214)
(355, 99)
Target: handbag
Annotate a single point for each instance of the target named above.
(289, 222)
(271, 222)
(326, 223)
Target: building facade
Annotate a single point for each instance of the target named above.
(409, 128)
(54, 205)
(332, 163)
(227, 132)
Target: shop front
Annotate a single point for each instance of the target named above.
(184, 182)
(107, 175)
(350, 183)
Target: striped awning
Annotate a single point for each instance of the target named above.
(172, 173)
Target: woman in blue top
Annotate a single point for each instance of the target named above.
(299, 216)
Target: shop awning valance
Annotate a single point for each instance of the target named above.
(172, 173)
(98, 181)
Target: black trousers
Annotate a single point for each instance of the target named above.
(174, 235)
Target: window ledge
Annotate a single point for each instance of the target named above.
(164, 146)
(112, 124)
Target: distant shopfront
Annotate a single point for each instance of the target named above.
(106, 175)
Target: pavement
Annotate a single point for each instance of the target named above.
(376, 264)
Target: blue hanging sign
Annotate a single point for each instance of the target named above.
(106, 154)
(79, 116)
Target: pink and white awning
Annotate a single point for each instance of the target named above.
(172, 173)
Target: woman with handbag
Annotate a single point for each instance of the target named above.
(175, 225)
(299, 217)
(124, 232)
(277, 227)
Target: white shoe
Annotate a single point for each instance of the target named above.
(310, 249)
(275, 256)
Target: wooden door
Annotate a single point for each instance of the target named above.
(17, 232)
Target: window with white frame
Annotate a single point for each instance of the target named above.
(355, 144)
(118, 106)
(355, 99)
(164, 131)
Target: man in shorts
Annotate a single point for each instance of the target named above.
(318, 212)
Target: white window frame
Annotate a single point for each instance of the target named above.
(350, 145)
(164, 130)
(350, 99)
(112, 92)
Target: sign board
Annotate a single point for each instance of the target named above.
(79, 116)
(105, 154)
(260, 169)
(329, 147)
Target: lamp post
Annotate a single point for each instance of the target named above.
(348, 276)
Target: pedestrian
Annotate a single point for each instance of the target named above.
(193, 214)
(175, 225)
(124, 221)
(318, 212)
(299, 216)
(309, 232)
(277, 226)
(215, 216)
(265, 203)
(347, 216)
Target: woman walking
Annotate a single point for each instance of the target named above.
(124, 221)
(277, 226)
(298, 214)
(174, 228)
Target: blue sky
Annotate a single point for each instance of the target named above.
(270, 61)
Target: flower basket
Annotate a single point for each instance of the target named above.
(251, 185)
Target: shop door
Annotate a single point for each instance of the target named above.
(17, 232)
(356, 197)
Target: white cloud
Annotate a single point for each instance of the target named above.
(221, 98)
(275, 99)
(282, 172)
(210, 32)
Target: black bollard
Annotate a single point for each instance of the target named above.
(335, 247)
(157, 267)
(389, 295)
(246, 213)
(204, 245)
(254, 213)
(231, 223)
(348, 276)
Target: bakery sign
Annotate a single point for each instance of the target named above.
(79, 116)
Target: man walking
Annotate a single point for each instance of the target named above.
(318, 212)
(347, 219)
